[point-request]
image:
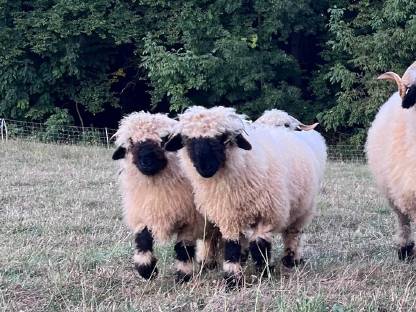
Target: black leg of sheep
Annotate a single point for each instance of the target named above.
(144, 260)
(292, 243)
(260, 250)
(232, 267)
(404, 238)
(208, 246)
(245, 249)
(185, 254)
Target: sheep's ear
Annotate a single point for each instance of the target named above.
(242, 142)
(303, 127)
(174, 144)
(394, 77)
(119, 153)
(409, 100)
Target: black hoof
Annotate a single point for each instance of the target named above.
(148, 271)
(233, 281)
(182, 277)
(406, 253)
(289, 261)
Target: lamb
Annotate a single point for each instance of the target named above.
(391, 155)
(250, 180)
(157, 197)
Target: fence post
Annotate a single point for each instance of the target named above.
(5, 129)
(106, 137)
(1, 129)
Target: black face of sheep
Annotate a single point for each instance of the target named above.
(149, 157)
(409, 99)
(207, 154)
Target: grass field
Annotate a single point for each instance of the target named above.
(64, 247)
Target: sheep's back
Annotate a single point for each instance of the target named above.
(318, 146)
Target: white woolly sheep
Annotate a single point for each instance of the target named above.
(279, 118)
(248, 180)
(391, 154)
(157, 197)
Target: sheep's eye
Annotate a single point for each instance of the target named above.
(287, 125)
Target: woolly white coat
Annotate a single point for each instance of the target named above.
(164, 202)
(391, 153)
(275, 183)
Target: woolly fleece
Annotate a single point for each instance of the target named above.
(391, 153)
(163, 202)
(274, 184)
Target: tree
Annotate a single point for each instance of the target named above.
(253, 55)
(367, 39)
(58, 54)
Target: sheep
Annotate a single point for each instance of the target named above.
(157, 197)
(391, 155)
(279, 118)
(251, 187)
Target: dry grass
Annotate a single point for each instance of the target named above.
(64, 247)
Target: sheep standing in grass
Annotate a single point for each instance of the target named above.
(157, 198)
(250, 185)
(391, 153)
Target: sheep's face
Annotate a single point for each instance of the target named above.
(409, 99)
(141, 137)
(149, 157)
(208, 154)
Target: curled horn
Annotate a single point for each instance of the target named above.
(394, 77)
(304, 127)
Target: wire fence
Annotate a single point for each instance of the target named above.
(31, 131)
(346, 153)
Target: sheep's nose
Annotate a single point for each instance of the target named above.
(147, 161)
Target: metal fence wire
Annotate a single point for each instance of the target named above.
(22, 130)
(346, 153)
(32, 131)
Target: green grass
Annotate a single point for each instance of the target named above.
(64, 247)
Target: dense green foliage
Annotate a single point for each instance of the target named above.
(65, 61)
(367, 39)
(61, 54)
(252, 55)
